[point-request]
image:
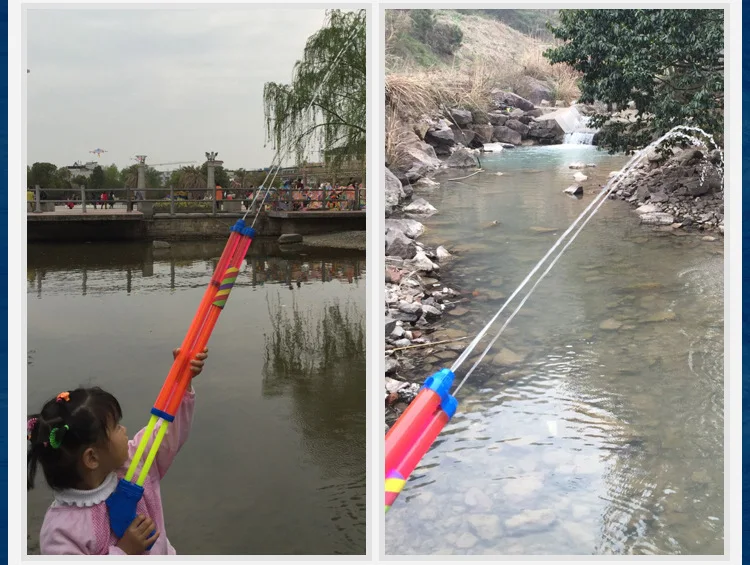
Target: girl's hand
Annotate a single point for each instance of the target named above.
(196, 365)
(138, 536)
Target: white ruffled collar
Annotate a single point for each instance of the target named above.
(81, 498)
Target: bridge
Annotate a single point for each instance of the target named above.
(55, 215)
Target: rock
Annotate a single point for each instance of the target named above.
(502, 97)
(483, 133)
(466, 541)
(461, 117)
(422, 263)
(506, 357)
(505, 134)
(441, 139)
(426, 184)
(161, 244)
(463, 137)
(560, 104)
(486, 526)
(398, 245)
(657, 218)
(394, 192)
(664, 316)
(610, 325)
(421, 207)
(546, 132)
(410, 228)
(414, 161)
(458, 311)
(398, 332)
(410, 308)
(574, 189)
(520, 127)
(392, 275)
(614, 174)
(577, 165)
(442, 253)
(391, 366)
(659, 197)
(390, 324)
(476, 497)
(497, 118)
(647, 209)
(430, 312)
(290, 238)
(531, 520)
(401, 343)
(538, 91)
(462, 158)
(580, 177)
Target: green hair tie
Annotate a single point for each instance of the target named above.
(55, 441)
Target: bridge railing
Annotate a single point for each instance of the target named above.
(173, 201)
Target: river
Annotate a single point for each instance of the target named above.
(275, 463)
(595, 425)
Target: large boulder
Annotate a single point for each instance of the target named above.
(441, 139)
(420, 207)
(463, 136)
(410, 228)
(480, 117)
(414, 161)
(501, 97)
(398, 245)
(483, 133)
(518, 126)
(462, 158)
(394, 192)
(506, 135)
(497, 118)
(461, 117)
(546, 132)
(536, 90)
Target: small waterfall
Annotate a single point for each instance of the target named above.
(585, 137)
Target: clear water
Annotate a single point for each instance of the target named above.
(275, 463)
(592, 440)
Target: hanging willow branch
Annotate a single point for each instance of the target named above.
(334, 60)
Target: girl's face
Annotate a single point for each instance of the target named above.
(118, 445)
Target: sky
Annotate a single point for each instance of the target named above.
(170, 84)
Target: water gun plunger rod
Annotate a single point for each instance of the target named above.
(122, 503)
(409, 439)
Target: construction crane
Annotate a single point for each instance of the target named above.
(141, 159)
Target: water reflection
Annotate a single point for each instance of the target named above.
(276, 459)
(63, 268)
(320, 361)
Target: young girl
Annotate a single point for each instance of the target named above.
(83, 450)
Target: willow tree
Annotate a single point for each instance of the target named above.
(324, 108)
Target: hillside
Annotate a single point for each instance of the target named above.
(461, 55)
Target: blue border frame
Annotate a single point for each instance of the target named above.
(4, 275)
(745, 277)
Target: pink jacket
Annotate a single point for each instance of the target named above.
(77, 522)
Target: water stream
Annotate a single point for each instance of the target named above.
(595, 425)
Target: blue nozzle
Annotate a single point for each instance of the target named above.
(441, 383)
(122, 507)
(249, 232)
(238, 226)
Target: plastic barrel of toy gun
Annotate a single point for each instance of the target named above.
(397, 477)
(201, 327)
(208, 297)
(183, 379)
(404, 432)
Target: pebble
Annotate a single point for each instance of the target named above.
(531, 520)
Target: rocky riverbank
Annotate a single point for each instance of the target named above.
(682, 190)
